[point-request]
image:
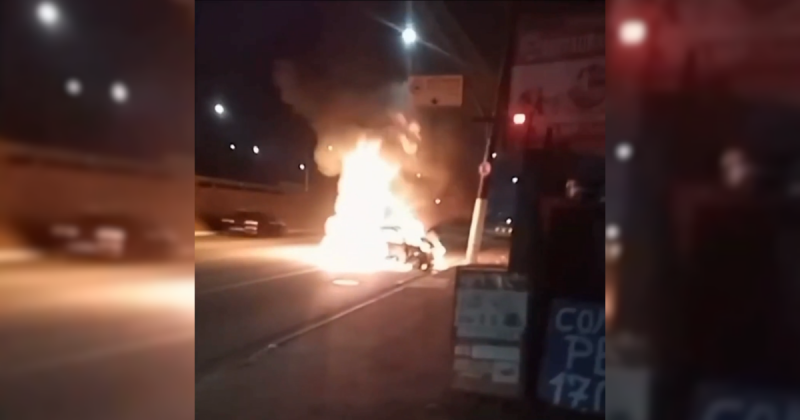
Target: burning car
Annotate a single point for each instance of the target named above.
(418, 253)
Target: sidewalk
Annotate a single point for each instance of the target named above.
(390, 360)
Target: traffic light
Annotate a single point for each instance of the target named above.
(632, 32)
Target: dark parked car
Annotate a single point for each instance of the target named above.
(254, 223)
(111, 236)
(401, 250)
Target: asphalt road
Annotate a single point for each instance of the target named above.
(251, 292)
(96, 341)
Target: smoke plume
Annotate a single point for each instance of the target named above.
(342, 111)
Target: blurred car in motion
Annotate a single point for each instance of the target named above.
(253, 223)
(111, 236)
(418, 253)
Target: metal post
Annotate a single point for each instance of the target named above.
(306, 180)
(500, 117)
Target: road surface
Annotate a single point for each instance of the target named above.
(251, 292)
(96, 341)
(387, 360)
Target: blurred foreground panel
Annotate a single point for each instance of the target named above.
(701, 284)
(96, 179)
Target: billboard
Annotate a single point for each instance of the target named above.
(559, 74)
(437, 91)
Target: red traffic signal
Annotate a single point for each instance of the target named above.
(632, 32)
(519, 119)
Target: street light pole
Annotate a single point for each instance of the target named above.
(303, 168)
(493, 134)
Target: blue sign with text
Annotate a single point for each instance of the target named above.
(722, 402)
(573, 372)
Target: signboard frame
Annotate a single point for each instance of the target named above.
(437, 90)
(485, 364)
(558, 77)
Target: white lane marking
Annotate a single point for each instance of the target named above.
(256, 281)
(99, 353)
(401, 285)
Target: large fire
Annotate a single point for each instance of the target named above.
(356, 238)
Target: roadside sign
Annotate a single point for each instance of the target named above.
(485, 168)
(718, 401)
(573, 371)
(437, 91)
(490, 320)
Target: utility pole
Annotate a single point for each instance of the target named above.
(493, 133)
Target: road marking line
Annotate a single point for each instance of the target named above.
(401, 285)
(256, 281)
(83, 357)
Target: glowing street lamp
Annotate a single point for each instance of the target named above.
(119, 92)
(232, 146)
(48, 14)
(519, 119)
(73, 87)
(219, 109)
(409, 36)
(514, 180)
(256, 150)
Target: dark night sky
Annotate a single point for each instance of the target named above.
(147, 44)
(343, 42)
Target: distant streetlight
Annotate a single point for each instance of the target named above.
(219, 109)
(119, 92)
(514, 180)
(409, 36)
(508, 221)
(73, 87)
(302, 167)
(494, 155)
(613, 232)
(232, 146)
(256, 149)
(624, 151)
(48, 14)
(437, 201)
(519, 119)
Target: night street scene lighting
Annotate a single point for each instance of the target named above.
(119, 92)
(48, 14)
(219, 109)
(73, 87)
(409, 36)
